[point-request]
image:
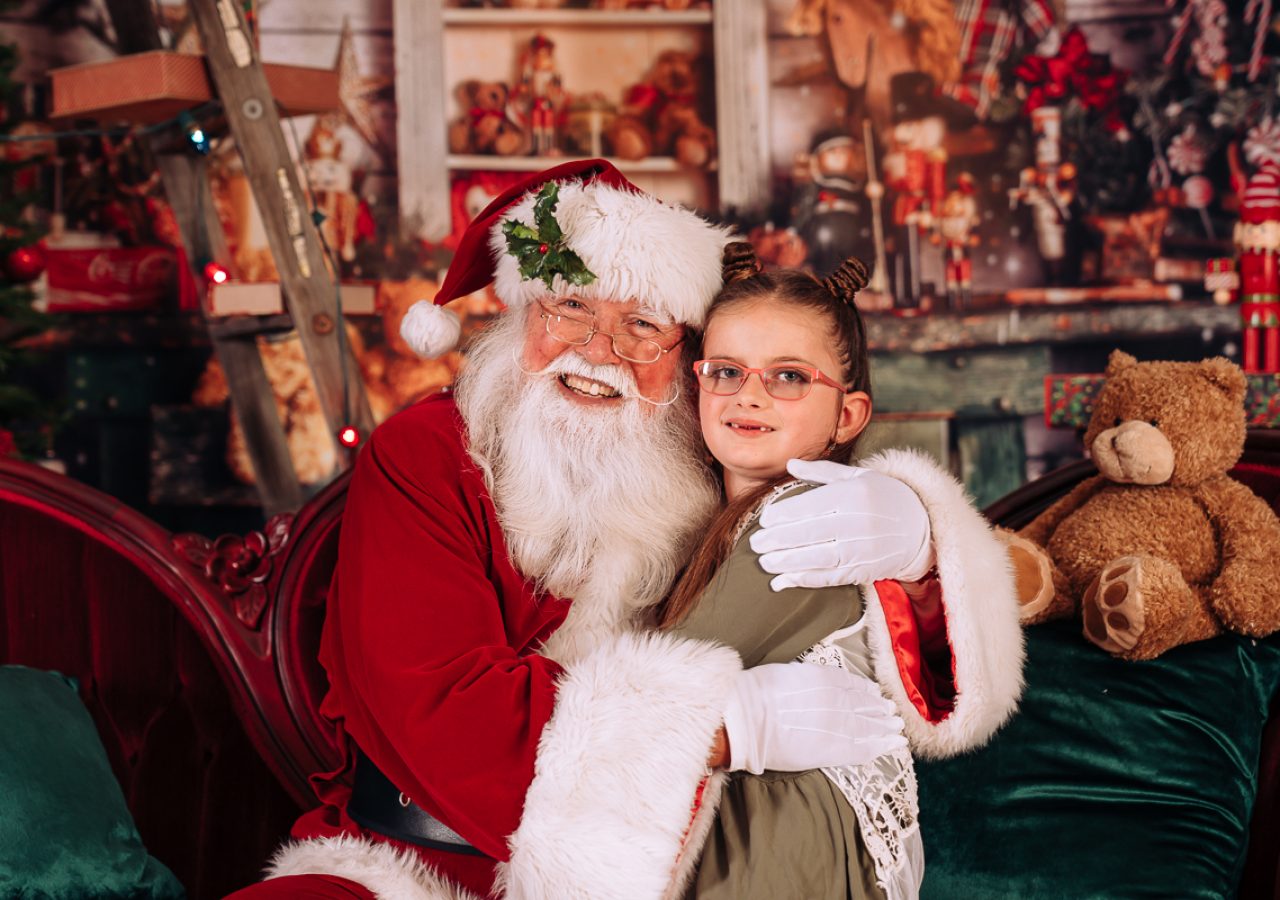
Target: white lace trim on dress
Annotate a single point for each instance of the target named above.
(884, 798)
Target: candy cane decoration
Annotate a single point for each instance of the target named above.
(1184, 23)
(1262, 9)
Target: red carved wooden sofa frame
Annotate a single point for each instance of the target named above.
(197, 659)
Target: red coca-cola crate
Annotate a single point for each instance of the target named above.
(110, 279)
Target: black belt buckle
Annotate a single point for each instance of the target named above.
(378, 805)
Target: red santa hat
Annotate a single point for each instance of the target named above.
(640, 249)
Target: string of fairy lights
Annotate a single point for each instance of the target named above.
(191, 124)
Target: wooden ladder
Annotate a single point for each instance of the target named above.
(239, 82)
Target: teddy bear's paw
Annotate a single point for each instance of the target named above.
(1033, 579)
(1140, 606)
(1114, 615)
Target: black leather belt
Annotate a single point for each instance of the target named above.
(380, 806)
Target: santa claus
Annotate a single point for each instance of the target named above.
(513, 727)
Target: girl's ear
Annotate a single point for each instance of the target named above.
(855, 413)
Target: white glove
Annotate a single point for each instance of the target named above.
(859, 527)
(790, 717)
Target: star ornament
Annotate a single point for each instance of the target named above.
(358, 94)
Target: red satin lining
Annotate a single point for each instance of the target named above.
(918, 635)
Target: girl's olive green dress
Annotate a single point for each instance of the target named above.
(787, 835)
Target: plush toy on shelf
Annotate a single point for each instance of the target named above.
(660, 115)
(1162, 547)
(486, 126)
(395, 376)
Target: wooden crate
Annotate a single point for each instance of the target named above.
(151, 87)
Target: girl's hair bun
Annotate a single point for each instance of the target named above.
(739, 261)
(846, 281)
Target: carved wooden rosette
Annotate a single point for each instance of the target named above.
(240, 567)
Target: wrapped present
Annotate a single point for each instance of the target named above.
(1068, 400)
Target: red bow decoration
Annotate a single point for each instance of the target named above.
(479, 114)
(1073, 71)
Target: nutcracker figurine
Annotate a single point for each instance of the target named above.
(829, 212)
(956, 222)
(1257, 240)
(1050, 192)
(541, 93)
(915, 167)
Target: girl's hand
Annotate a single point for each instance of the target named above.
(719, 756)
(790, 717)
(857, 528)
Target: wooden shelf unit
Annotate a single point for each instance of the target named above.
(732, 33)
(475, 162)
(577, 18)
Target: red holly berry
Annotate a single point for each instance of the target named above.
(542, 248)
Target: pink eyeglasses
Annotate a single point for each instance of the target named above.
(785, 382)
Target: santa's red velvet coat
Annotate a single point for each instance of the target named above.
(576, 782)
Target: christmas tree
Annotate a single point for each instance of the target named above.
(24, 418)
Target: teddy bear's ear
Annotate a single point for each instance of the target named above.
(1225, 375)
(1118, 362)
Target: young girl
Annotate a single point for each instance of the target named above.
(785, 376)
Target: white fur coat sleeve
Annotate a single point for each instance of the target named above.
(617, 770)
(980, 607)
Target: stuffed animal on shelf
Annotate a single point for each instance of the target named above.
(485, 125)
(660, 115)
(394, 375)
(311, 447)
(1162, 547)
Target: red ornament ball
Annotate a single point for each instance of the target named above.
(25, 264)
(542, 248)
(349, 436)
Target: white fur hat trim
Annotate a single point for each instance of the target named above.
(664, 257)
(429, 329)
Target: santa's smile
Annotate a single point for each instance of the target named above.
(588, 387)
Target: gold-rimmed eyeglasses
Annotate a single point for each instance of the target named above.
(638, 342)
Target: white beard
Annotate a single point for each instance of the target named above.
(600, 505)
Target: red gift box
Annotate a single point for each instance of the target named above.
(109, 279)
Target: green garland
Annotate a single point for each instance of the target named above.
(540, 250)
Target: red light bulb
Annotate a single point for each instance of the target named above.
(349, 436)
(215, 273)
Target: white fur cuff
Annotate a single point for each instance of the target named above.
(981, 613)
(617, 770)
(389, 873)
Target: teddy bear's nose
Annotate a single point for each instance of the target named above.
(1141, 452)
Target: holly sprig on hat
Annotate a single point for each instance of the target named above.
(540, 250)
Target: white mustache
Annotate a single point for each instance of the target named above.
(616, 377)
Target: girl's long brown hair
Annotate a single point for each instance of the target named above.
(832, 297)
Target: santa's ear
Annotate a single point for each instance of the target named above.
(1118, 362)
(1225, 375)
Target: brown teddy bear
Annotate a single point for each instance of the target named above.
(1162, 547)
(485, 126)
(311, 447)
(394, 375)
(660, 115)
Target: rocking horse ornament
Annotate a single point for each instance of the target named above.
(904, 36)
(959, 45)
